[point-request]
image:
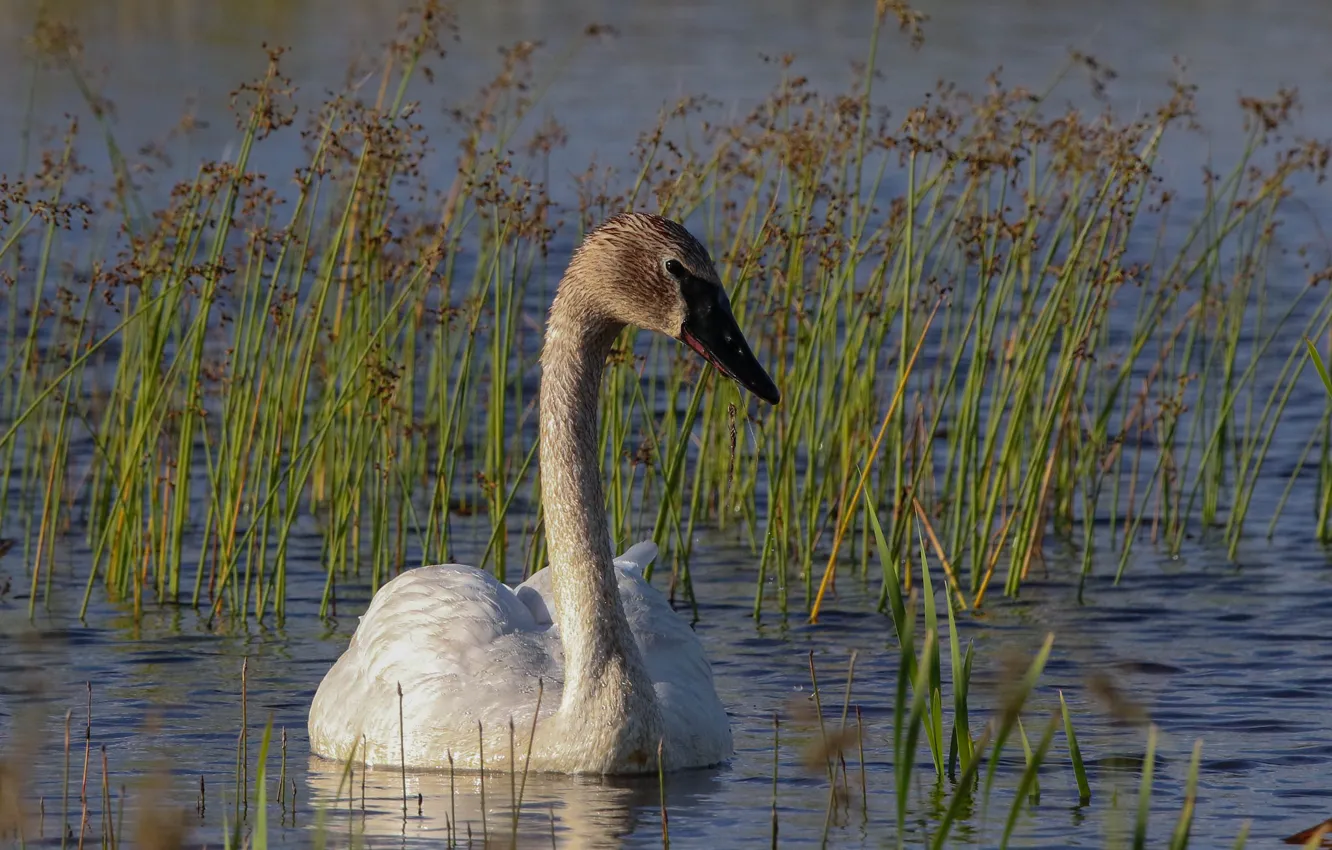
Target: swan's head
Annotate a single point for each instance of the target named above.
(648, 271)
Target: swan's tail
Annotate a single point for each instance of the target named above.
(639, 555)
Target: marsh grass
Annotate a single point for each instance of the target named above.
(992, 320)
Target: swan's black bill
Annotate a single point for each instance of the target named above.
(711, 330)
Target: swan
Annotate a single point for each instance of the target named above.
(447, 657)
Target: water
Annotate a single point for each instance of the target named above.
(1211, 651)
(1226, 652)
(163, 58)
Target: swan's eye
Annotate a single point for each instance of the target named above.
(675, 268)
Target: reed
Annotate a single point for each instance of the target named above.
(248, 355)
(245, 357)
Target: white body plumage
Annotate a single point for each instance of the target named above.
(468, 649)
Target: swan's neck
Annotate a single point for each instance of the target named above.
(606, 687)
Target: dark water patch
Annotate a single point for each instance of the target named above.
(1123, 762)
(1255, 726)
(1149, 668)
(1234, 766)
(1290, 693)
(160, 657)
(1316, 791)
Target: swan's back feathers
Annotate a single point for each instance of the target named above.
(463, 648)
(450, 614)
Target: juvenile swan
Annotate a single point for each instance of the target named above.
(621, 670)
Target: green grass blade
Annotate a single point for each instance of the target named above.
(1075, 754)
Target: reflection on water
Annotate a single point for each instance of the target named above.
(578, 811)
(1230, 654)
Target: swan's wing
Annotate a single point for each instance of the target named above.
(698, 730)
(696, 722)
(461, 645)
(639, 555)
(670, 647)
